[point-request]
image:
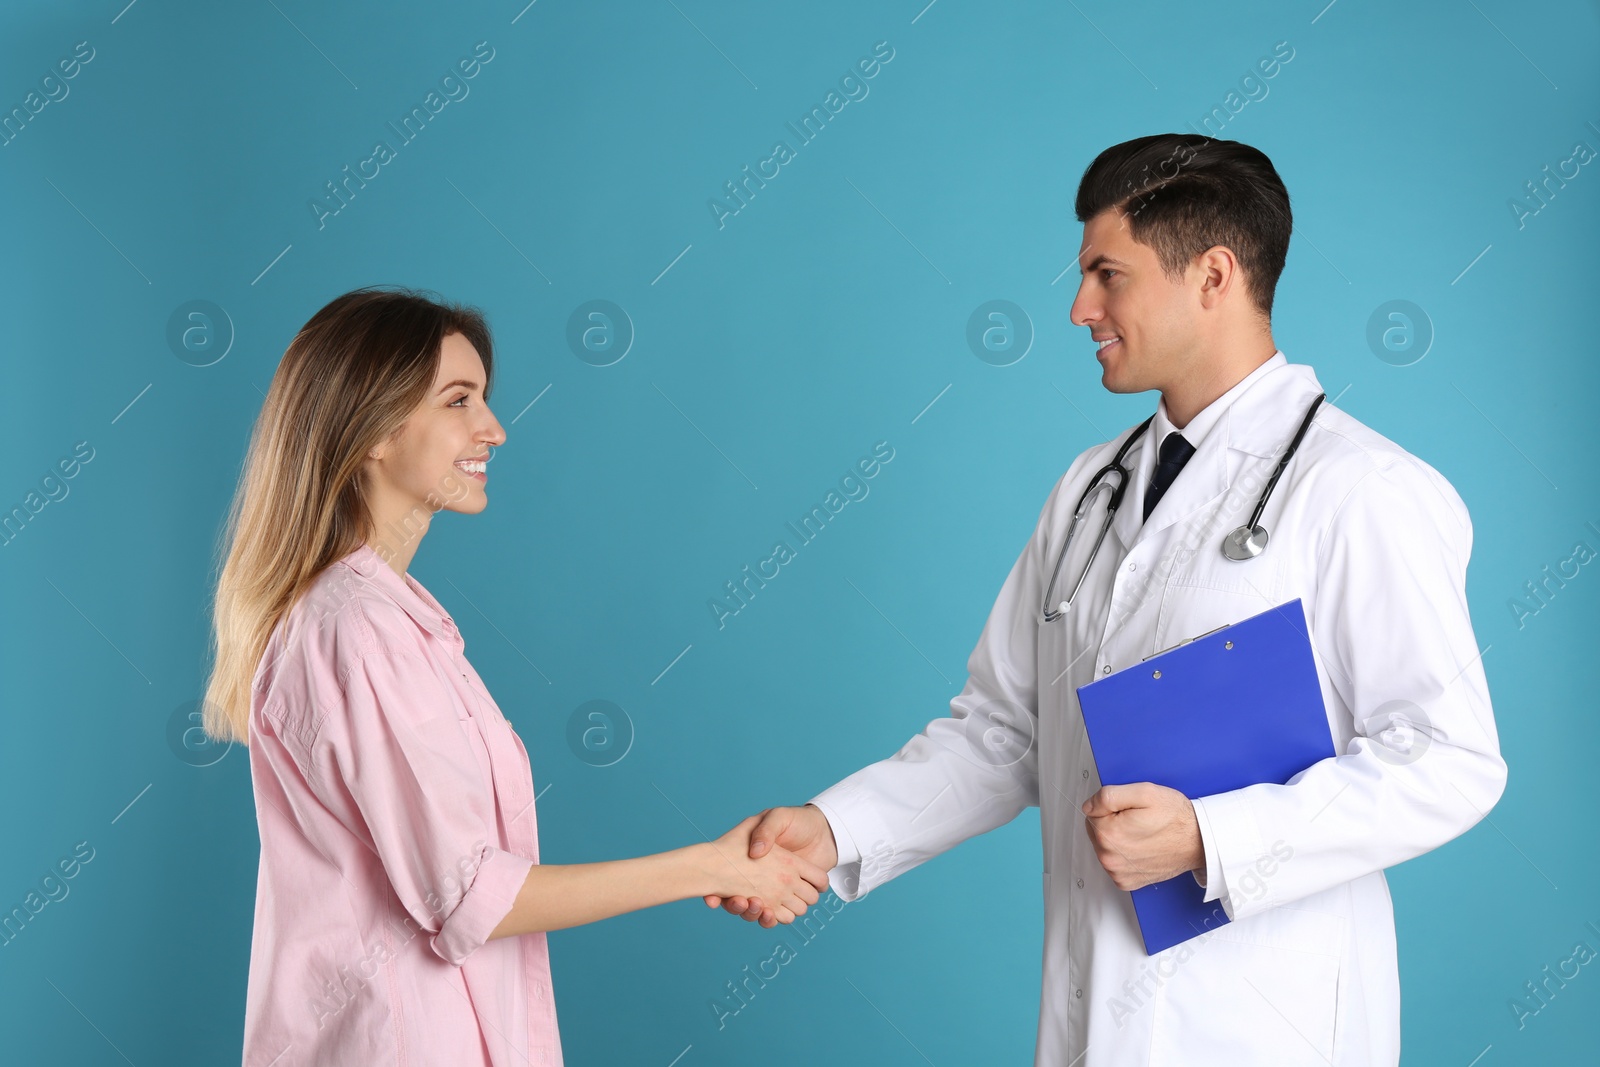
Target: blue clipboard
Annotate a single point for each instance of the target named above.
(1234, 707)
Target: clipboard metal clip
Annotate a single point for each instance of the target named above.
(1186, 640)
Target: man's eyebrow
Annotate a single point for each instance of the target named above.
(459, 381)
(1096, 263)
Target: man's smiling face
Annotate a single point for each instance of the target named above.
(1125, 295)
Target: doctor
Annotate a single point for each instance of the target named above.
(1184, 238)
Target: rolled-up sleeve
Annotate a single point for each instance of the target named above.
(394, 764)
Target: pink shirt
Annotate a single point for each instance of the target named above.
(395, 807)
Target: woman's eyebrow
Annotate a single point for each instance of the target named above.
(458, 381)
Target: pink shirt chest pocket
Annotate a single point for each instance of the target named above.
(500, 753)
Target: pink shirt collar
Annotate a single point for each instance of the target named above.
(405, 591)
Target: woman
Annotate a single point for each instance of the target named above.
(400, 906)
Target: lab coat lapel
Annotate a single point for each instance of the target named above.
(1202, 480)
(1261, 423)
(1130, 515)
(1255, 426)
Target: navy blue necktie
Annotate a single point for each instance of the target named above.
(1175, 452)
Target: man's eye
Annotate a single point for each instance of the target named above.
(1107, 272)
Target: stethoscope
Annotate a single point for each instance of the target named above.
(1247, 542)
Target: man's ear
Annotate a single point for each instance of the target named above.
(1219, 275)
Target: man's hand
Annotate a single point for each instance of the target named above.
(787, 882)
(1143, 833)
(803, 831)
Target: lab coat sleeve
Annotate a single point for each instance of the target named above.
(965, 773)
(846, 845)
(1212, 882)
(1392, 630)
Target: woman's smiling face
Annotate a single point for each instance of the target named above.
(435, 460)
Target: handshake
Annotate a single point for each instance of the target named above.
(772, 865)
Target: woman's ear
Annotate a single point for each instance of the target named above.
(379, 450)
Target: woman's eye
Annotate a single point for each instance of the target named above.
(457, 400)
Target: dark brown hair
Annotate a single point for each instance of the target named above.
(1184, 193)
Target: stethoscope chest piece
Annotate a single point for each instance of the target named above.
(1247, 542)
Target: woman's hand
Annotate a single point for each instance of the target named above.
(804, 831)
(781, 881)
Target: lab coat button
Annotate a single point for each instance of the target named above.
(1106, 669)
(1080, 883)
(1086, 772)
(1077, 992)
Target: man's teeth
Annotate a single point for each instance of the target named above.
(1109, 340)
(473, 467)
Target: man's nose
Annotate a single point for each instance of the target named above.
(1084, 311)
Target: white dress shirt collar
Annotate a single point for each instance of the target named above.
(1197, 428)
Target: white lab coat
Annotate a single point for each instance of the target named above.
(1375, 542)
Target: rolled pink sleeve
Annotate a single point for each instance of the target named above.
(493, 891)
(394, 763)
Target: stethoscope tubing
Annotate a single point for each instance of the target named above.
(1305, 424)
(1097, 483)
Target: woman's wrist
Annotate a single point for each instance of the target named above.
(707, 870)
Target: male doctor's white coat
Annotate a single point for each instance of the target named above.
(1375, 543)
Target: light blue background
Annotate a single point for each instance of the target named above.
(823, 318)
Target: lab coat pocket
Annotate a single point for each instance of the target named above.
(1266, 993)
(1190, 608)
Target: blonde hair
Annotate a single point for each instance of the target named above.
(349, 379)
